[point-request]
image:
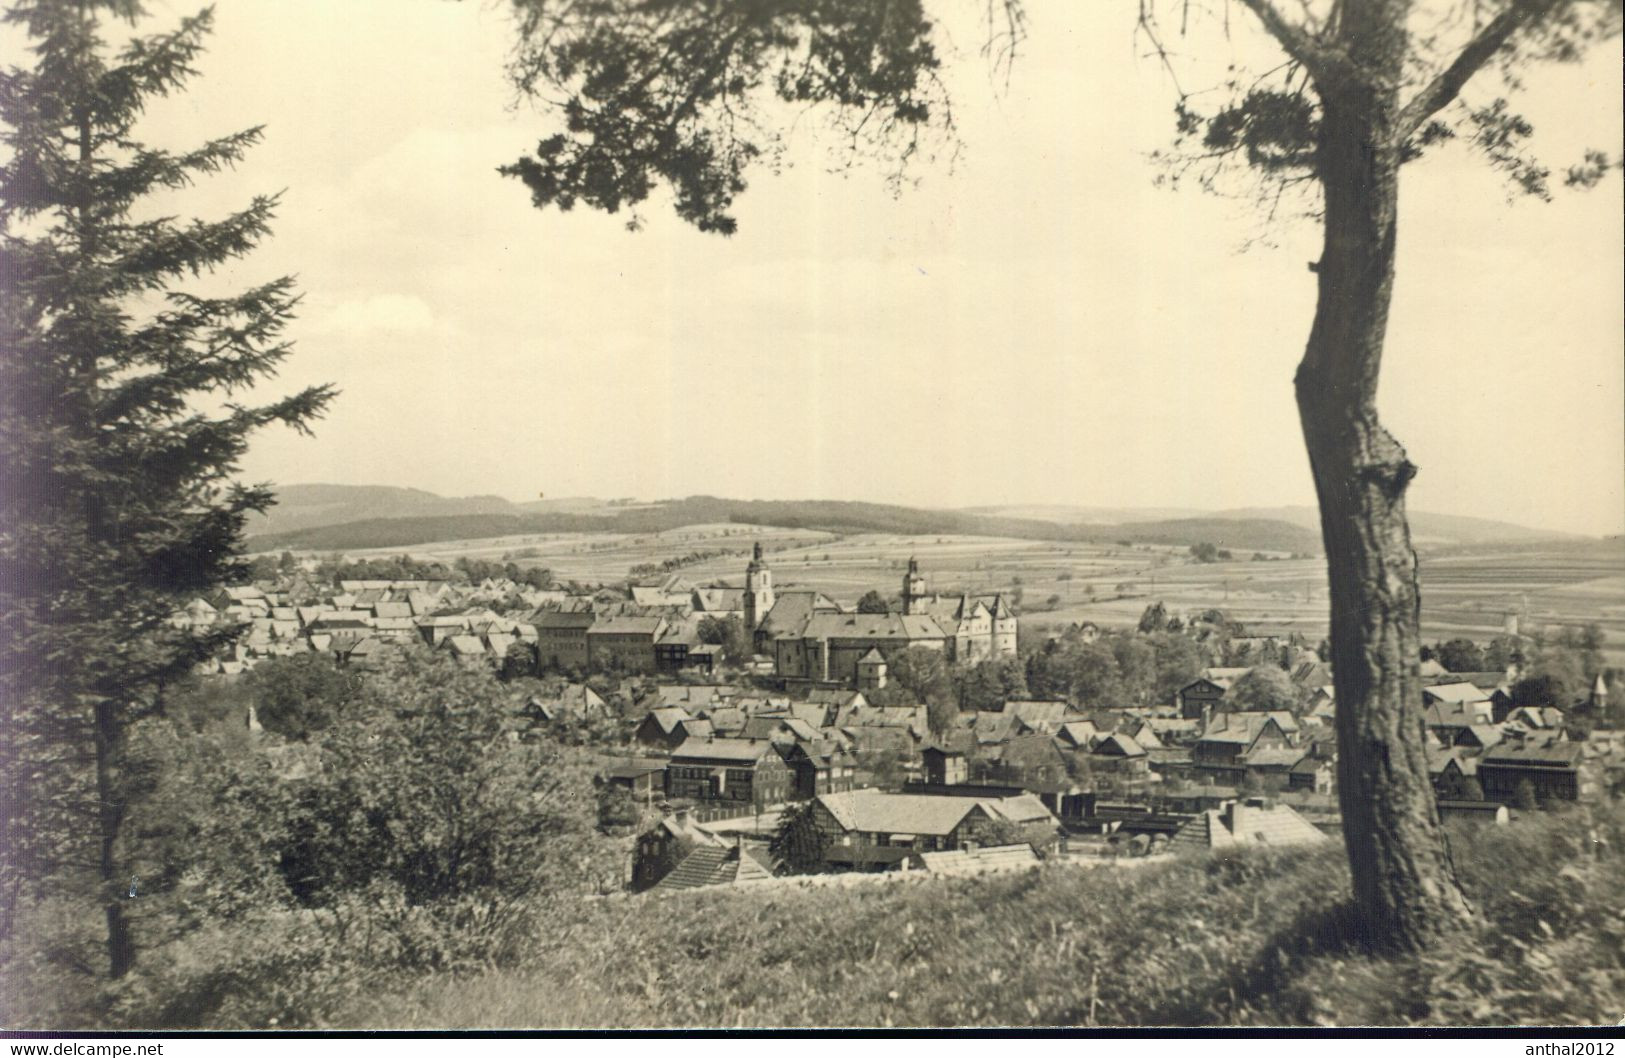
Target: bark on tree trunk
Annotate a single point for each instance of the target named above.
(110, 746)
(1405, 889)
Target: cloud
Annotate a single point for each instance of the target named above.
(395, 313)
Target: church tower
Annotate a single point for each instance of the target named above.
(758, 591)
(913, 585)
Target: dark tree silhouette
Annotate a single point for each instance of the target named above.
(117, 494)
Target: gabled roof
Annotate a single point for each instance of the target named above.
(551, 619)
(1115, 745)
(733, 750)
(667, 718)
(1241, 824)
(1454, 693)
(1269, 757)
(684, 694)
(1037, 712)
(992, 728)
(1549, 754)
(1457, 714)
(627, 626)
(872, 811)
(902, 628)
(725, 718)
(1482, 734)
(715, 600)
(997, 607)
(768, 727)
(711, 865)
(950, 611)
(697, 728)
(1077, 732)
(1440, 758)
(1488, 682)
(874, 655)
(792, 608)
(1022, 808)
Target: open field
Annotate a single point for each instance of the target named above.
(1466, 590)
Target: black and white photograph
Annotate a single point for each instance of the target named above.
(771, 517)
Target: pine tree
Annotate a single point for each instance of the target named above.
(117, 476)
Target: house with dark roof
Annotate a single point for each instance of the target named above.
(467, 649)
(1200, 698)
(1077, 734)
(666, 844)
(827, 647)
(730, 771)
(668, 727)
(788, 613)
(644, 778)
(709, 866)
(870, 830)
(561, 639)
(693, 696)
(780, 729)
(1552, 769)
(1044, 715)
(944, 766)
(1033, 761)
(1312, 774)
(679, 647)
(1221, 754)
(820, 767)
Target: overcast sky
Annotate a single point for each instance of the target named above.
(1037, 324)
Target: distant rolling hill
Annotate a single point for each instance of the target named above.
(301, 507)
(1426, 527)
(336, 518)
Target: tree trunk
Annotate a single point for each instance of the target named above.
(1405, 890)
(110, 746)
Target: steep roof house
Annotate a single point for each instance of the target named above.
(867, 829)
(709, 866)
(729, 770)
(1250, 823)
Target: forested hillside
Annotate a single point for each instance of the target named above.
(394, 527)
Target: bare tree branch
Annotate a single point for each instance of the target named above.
(1298, 41)
(1485, 43)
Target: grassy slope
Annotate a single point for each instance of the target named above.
(1245, 939)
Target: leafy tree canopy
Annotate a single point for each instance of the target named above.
(1265, 688)
(120, 493)
(873, 602)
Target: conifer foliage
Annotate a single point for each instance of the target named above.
(121, 426)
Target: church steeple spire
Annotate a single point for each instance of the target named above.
(758, 590)
(913, 585)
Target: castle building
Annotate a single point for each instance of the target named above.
(975, 627)
(815, 641)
